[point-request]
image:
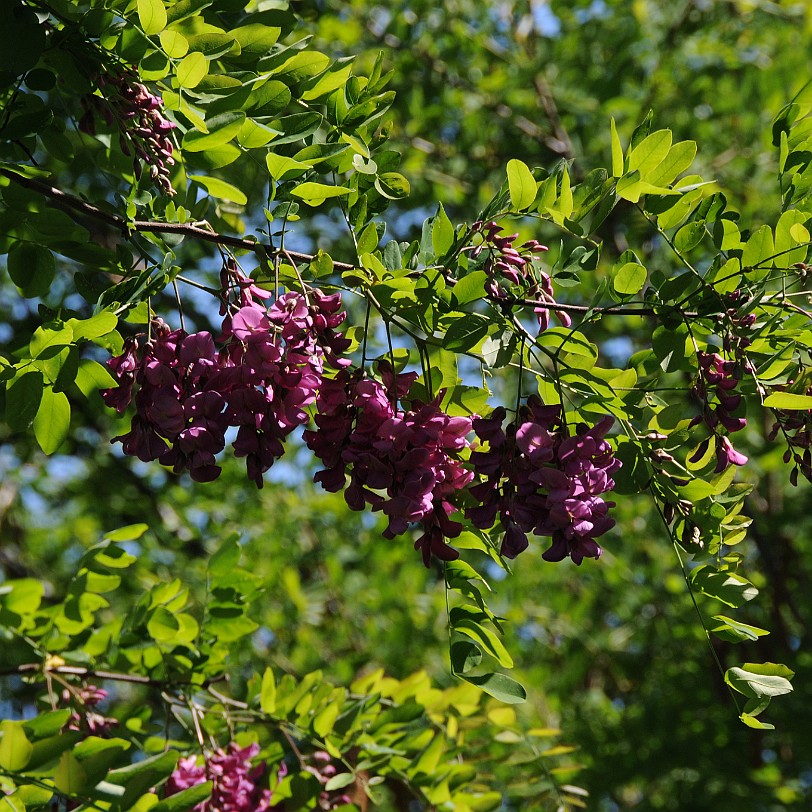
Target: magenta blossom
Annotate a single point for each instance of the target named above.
(534, 477)
(236, 783)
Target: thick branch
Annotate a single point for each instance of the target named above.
(153, 227)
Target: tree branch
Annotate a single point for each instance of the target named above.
(155, 227)
(265, 249)
(80, 671)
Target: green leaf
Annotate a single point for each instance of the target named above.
(129, 533)
(650, 153)
(679, 159)
(314, 194)
(23, 398)
(163, 626)
(758, 249)
(430, 757)
(392, 185)
(486, 639)
(174, 43)
(689, 236)
(772, 669)
(47, 341)
(152, 15)
(522, 185)
(52, 420)
(96, 755)
(226, 559)
(137, 778)
(465, 655)
(734, 631)
(186, 799)
(324, 720)
(220, 189)
(222, 129)
(47, 724)
(499, 686)
(256, 39)
(727, 587)
(252, 134)
(268, 99)
(267, 695)
(24, 596)
(629, 187)
(192, 70)
(339, 781)
(31, 268)
(334, 77)
(788, 400)
(15, 749)
(442, 232)
(465, 332)
(617, 153)
(563, 339)
(471, 288)
(96, 326)
(753, 684)
(211, 45)
(751, 721)
(283, 168)
(70, 777)
(629, 279)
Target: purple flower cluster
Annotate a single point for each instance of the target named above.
(85, 717)
(267, 370)
(235, 782)
(403, 463)
(536, 478)
(129, 105)
(504, 262)
(718, 378)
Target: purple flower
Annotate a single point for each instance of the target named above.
(235, 782)
(536, 478)
(268, 369)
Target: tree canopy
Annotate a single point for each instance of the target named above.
(404, 407)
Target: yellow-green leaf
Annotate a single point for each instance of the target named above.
(192, 70)
(152, 16)
(220, 189)
(267, 694)
(222, 129)
(52, 420)
(617, 153)
(15, 749)
(315, 194)
(284, 168)
(521, 185)
(788, 400)
(174, 43)
(650, 153)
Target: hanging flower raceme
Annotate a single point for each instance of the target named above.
(534, 477)
(129, 106)
(258, 377)
(715, 386)
(405, 463)
(236, 783)
(507, 265)
(796, 427)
